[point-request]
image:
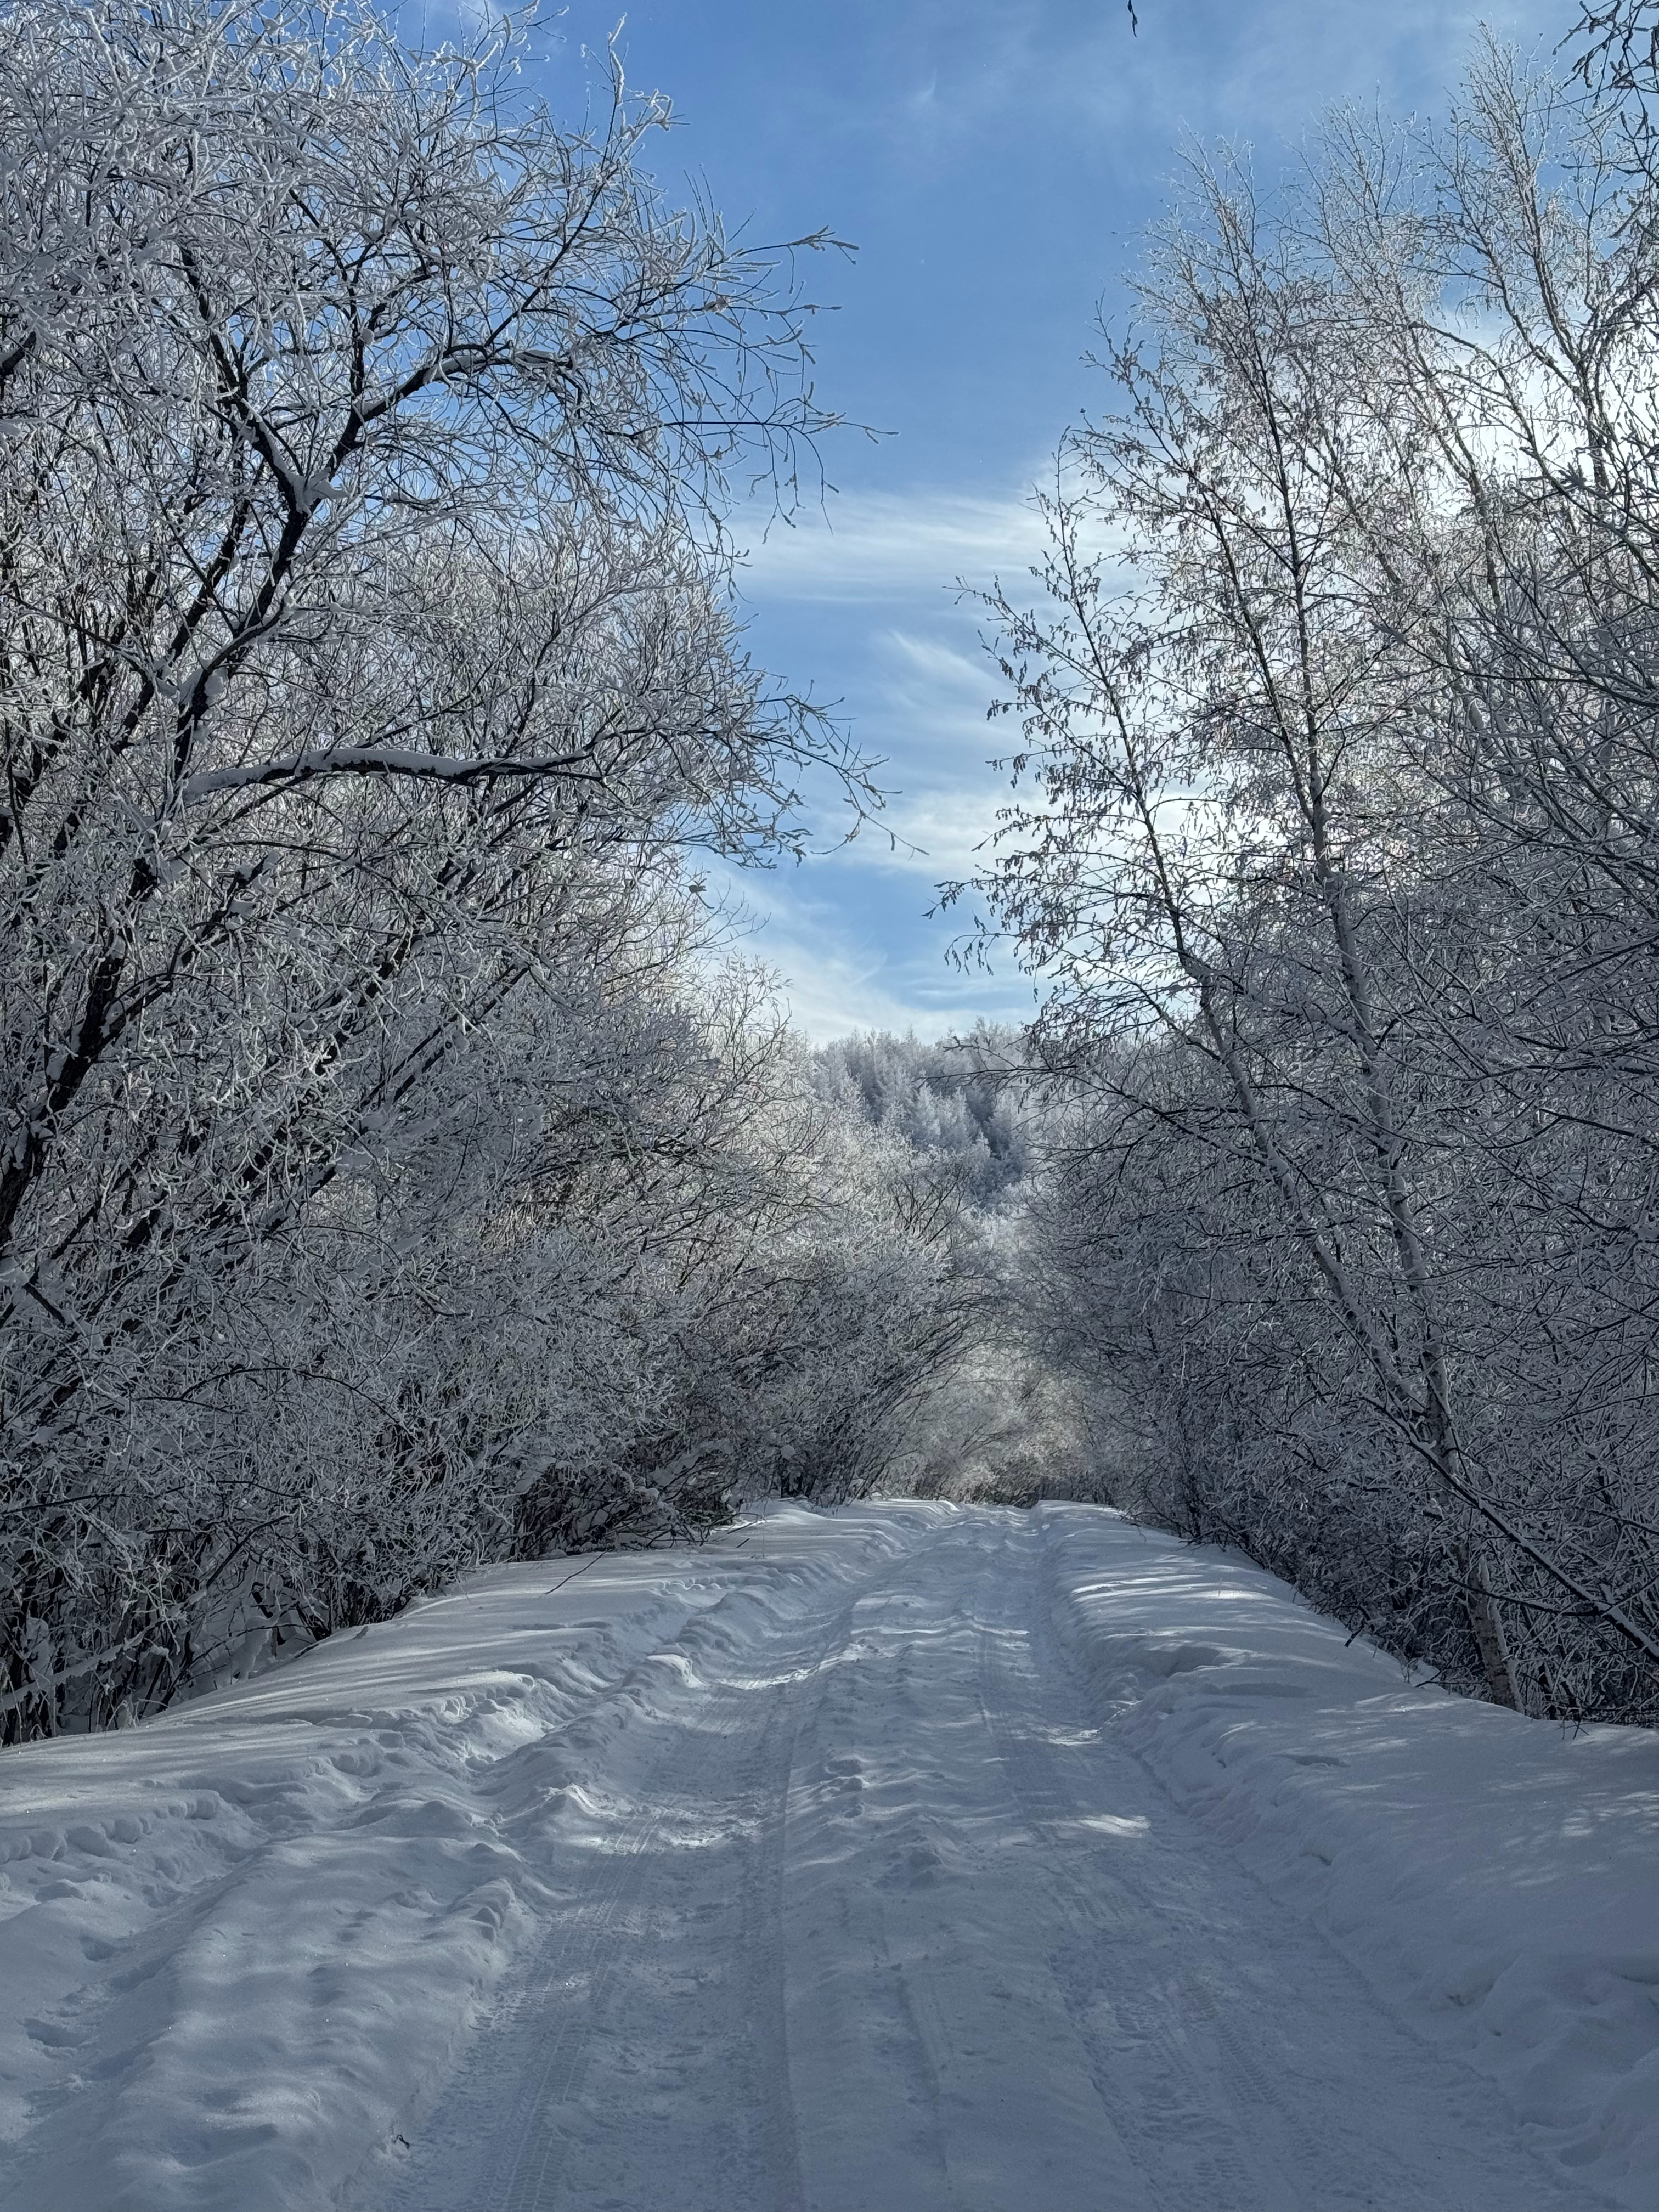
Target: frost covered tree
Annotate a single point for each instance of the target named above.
(955, 1103)
(1339, 707)
(395, 1171)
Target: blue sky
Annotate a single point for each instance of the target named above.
(994, 160)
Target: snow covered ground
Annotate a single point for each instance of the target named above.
(904, 1858)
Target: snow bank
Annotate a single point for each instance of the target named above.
(236, 1943)
(1496, 1878)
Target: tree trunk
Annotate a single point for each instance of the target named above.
(1489, 1637)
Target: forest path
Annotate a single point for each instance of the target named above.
(881, 1919)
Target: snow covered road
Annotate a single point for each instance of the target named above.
(889, 1924)
(934, 1859)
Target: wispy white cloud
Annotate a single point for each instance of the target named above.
(973, 74)
(1279, 66)
(852, 949)
(832, 989)
(878, 545)
(945, 831)
(830, 997)
(941, 667)
(934, 688)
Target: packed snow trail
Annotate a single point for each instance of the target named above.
(908, 1857)
(885, 1922)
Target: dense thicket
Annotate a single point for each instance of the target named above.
(393, 1174)
(1341, 711)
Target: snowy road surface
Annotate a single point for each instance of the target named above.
(934, 1859)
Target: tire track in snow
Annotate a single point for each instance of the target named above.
(875, 1915)
(569, 1992)
(776, 2155)
(940, 2068)
(863, 2003)
(668, 1965)
(1167, 2105)
(1283, 2083)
